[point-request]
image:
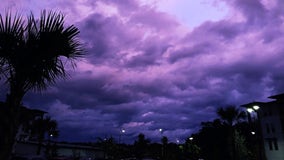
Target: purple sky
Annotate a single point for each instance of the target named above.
(161, 63)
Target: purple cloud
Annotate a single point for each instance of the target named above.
(144, 70)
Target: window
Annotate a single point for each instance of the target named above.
(275, 144)
(267, 128)
(272, 128)
(272, 144)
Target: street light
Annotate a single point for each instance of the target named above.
(255, 107)
(250, 110)
(122, 131)
(163, 143)
(255, 124)
(177, 140)
(253, 110)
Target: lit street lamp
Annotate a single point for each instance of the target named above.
(252, 110)
(122, 131)
(255, 107)
(177, 140)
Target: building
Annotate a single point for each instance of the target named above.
(27, 117)
(26, 144)
(67, 150)
(267, 119)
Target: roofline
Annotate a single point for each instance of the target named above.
(277, 96)
(249, 105)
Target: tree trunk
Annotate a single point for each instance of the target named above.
(231, 143)
(10, 122)
(39, 148)
(8, 133)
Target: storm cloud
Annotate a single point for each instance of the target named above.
(145, 70)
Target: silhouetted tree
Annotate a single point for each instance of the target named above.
(248, 142)
(110, 147)
(174, 151)
(32, 56)
(212, 140)
(165, 142)
(153, 151)
(141, 146)
(241, 149)
(225, 138)
(44, 129)
(191, 149)
(230, 116)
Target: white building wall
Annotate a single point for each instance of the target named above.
(272, 132)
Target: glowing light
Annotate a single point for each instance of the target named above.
(250, 110)
(177, 141)
(255, 107)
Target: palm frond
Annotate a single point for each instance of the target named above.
(11, 41)
(230, 115)
(31, 53)
(48, 41)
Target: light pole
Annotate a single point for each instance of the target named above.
(251, 112)
(121, 132)
(255, 124)
(163, 141)
(48, 147)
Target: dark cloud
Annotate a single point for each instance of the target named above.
(253, 10)
(143, 71)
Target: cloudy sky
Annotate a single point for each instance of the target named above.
(166, 64)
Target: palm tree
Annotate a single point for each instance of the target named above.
(230, 116)
(109, 146)
(141, 146)
(32, 57)
(164, 141)
(43, 128)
